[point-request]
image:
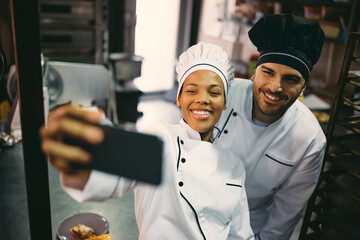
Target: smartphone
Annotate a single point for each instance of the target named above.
(128, 154)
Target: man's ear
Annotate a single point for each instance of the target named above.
(253, 76)
(302, 91)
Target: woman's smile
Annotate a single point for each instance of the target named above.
(201, 114)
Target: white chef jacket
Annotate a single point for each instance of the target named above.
(282, 160)
(201, 196)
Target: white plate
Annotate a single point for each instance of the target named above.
(95, 221)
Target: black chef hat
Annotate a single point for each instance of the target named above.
(289, 40)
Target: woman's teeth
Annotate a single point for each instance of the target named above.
(201, 112)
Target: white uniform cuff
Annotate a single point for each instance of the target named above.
(99, 187)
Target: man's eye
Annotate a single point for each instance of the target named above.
(268, 73)
(215, 93)
(292, 80)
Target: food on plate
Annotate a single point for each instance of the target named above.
(82, 231)
(100, 237)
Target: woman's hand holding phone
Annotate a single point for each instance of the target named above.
(75, 122)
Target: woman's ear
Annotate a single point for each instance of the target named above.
(224, 107)
(178, 103)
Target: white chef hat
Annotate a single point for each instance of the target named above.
(205, 56)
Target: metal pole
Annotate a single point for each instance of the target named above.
(195, 21)
(25, 25)
(116, 25)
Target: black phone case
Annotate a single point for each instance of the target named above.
(129, 154)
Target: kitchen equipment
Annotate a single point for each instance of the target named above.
(80, 83)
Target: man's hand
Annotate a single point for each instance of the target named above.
(74, 122)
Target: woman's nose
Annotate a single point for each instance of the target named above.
(203, 98)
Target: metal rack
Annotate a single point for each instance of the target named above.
(333, 212)
(74, 30)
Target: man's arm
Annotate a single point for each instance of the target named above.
(240, 223)
(291, 198)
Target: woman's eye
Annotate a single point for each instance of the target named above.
(190, 91)
(215, 93)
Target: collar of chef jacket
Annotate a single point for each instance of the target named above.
(192, 134)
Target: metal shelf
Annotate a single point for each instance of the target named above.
(346, 161)
(352, 123)
(345, 183)
(75, 10)
(338, 220)
(348, 184)
(350, 142)
(354, 78)
(320, 236)
(333, 196)
(334, 225)
(353, 103)
(343, 201)
(346, 5)
(73, 25)
(337, 208)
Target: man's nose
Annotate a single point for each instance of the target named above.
(275, 85)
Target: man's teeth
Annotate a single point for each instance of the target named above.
(272, 97)
(201, 112)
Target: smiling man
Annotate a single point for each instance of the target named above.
(276, 88)
(278, 138)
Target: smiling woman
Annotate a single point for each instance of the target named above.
(202, 100)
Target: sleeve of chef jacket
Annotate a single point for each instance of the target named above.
(240, 223)
(101, 186)
(291, 198)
